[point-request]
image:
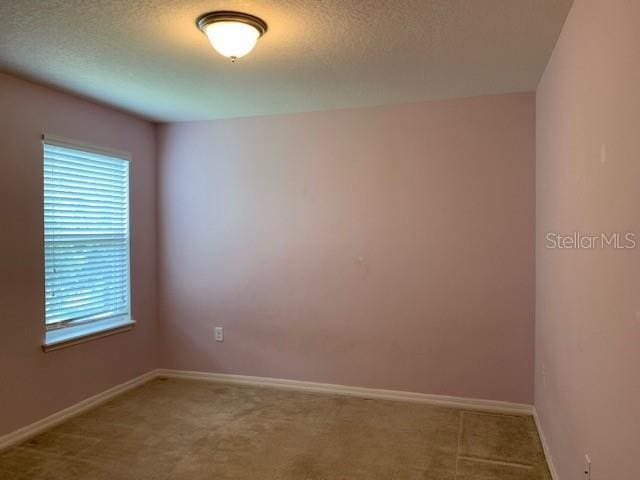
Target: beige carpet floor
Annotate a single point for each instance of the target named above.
(177, 429)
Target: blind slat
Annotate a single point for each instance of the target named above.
(62, 204)
(86, 314)
(82, 279)
(86, 160)
(82, 302)
(76, 174)
(82, 297)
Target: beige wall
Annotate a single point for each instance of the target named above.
(387, 247)
(588, 301)
(34, 384)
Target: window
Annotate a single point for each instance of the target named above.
(86, 242)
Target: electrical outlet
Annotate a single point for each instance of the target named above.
(587, 468)
(219, 334)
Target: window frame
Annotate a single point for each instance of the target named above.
(82, 331)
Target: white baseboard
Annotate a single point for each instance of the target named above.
(447, 401)
(493, 406)
(545, 446)
(46, 423)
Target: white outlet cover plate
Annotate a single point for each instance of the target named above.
(219, 332)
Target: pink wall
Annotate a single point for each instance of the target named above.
(34, 384)
(588, 301)
(387, 247)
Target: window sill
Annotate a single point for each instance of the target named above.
(66, 337)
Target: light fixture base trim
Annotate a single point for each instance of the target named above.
(229, 16)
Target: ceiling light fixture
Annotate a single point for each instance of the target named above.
(232, 34)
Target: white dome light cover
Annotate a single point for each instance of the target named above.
(232, 34)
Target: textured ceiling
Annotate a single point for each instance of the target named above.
(147, 56)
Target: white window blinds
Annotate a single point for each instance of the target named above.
(86, 235)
